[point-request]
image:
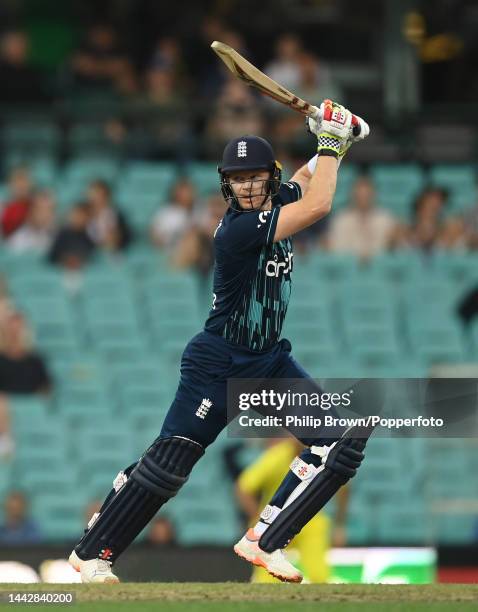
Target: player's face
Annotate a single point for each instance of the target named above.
(250, 188)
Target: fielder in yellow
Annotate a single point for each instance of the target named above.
(308, 550)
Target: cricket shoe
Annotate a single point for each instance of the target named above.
(93, 570)
(275, 563)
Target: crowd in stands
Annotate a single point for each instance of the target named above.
(155, 107)
(177, 103)
(183, 226)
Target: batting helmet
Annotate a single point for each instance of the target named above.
(249, 153)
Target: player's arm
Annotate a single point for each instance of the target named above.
(315, 204)
(302, 177)
(317, 200)
(304, 173)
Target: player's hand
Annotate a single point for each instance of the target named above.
(362, 132)
(355, 136)
(334, 129)
(357, 132)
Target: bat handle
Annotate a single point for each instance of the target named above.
(317, 115)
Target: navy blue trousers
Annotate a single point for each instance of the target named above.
(207, 363)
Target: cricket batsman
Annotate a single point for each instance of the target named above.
(241, 339)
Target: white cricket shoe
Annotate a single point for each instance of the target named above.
(93, 570)
(275, 563)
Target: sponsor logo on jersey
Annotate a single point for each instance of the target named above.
(262, 218)
(274, 267)
(204, 408)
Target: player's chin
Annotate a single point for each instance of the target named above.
(254, 203)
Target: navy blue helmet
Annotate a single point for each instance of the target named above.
(249, 153)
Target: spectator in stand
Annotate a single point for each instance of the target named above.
(101, 63)
(172, 221)
(18, 528)
(159, 126)
(211, 75)
(301, 72)
(363, 228)
(22, 84)
(72, 246)
(161, 90)
(22, 370)
(236, 112)
(36, 234)
(285, 66)
(107, 226)
(168, 54)
(15, 209)
(312, 81)
(161, 532)
(7, 444)
(315, 80)
(195, 249)
(428, 229)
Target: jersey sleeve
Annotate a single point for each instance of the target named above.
(289, 192)
(249, 230)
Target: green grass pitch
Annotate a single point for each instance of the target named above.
(240, 597)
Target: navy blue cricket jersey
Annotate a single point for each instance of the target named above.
(252, 275)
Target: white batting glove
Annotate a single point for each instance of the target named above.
(363, 132)
(335, 129)
(314, 125)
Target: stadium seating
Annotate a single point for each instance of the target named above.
(114, 348)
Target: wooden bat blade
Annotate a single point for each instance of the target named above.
(249, 74)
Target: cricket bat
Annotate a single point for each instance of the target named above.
(252, 76)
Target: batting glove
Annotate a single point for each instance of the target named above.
(357, 132)
(334, 128)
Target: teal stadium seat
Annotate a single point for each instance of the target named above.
(204, 177)
(110, 448)
(397, 185)
(345, 181)
(332, 267)
(453, 528)
(141, 189)
(459, 268)
(83, 171)
(61, 518)
(139, 208)
(30, 137)
(102, 309)
(409, 525)
(438, 342)
(85, 140)
(459, 180)
(148, 177)
(36, 281)
(174, 286)
(143, 261)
